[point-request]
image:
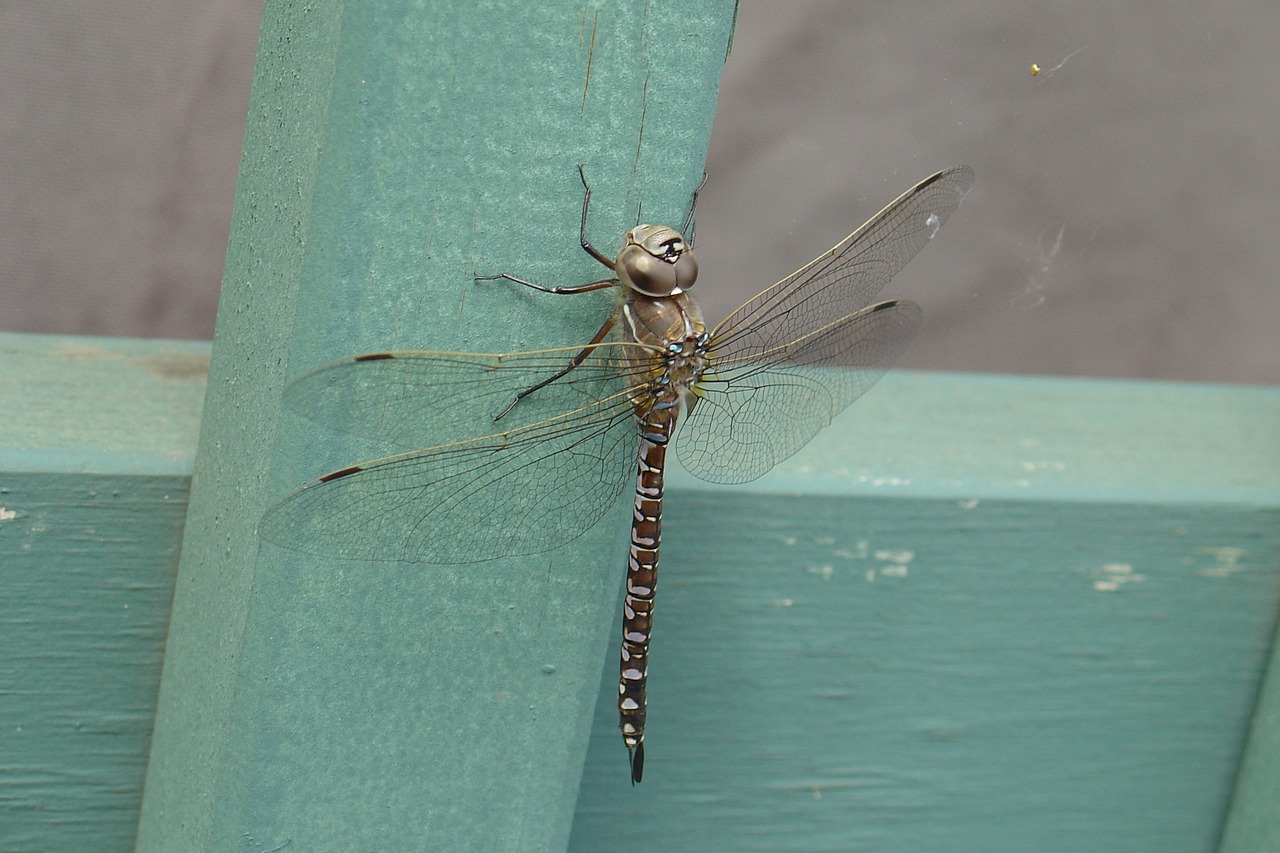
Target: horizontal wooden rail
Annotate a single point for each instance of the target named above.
(977, 613)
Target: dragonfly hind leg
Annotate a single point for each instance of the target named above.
(580, 357)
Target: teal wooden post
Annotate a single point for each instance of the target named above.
(393, 151)
(1254, 820)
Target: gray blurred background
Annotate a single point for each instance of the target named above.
(1121, 225)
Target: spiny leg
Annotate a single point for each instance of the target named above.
(582, 227)
(686, 229)
(560, 290)
(573, 362)
(586, 245)
(564, 290)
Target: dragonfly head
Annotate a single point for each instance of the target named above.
(656, 261)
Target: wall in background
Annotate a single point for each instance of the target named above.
(1120, 225)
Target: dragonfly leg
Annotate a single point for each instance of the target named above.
(586, 245)
(582, 228)
(687, 229)
(563, 289)
(580, 357)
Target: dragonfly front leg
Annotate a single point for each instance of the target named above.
(687, 230)
(582, 226)
(586, 246)
(561, 289)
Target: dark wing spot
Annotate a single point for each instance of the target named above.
(341, 472)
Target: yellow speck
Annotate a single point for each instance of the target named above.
(1035, 69)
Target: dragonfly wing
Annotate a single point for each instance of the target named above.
(385, 395)
(767, 392)
(845, 279)
(523, 491)
(753, 413)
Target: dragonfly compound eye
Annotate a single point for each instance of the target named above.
(656, 261)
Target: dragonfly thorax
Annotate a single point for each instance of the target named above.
(684, 364)
(674, 341)
(656, 260)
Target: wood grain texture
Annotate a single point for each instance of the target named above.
(860, 651)
(394, 150)
(1254, 821)
(95, 459)
(858, 673)
(978, 613)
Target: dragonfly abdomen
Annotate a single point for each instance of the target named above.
(655, 429)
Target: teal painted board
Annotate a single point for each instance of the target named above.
(395, 150)
(95, 458)
(1254, 820)
(901, 668)
(100, 405)
(978, 613)
(86, 580)
(841, 673)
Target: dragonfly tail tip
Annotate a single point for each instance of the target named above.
(635, 758)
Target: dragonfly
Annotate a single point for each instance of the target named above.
(578, 424)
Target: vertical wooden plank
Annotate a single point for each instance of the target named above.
(394, 150)
(1253, 823)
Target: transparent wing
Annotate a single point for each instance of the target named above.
(767, 392)
(754, 414)
(385, 395)
(522, 491)
(844, 279)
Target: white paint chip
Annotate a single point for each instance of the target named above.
(825, 571)
(1226, 561)
(1111, 577)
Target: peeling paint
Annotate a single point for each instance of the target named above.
(1226, 561)
(825, 571)
(1111, 577)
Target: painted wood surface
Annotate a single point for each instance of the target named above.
(878, 646)
(981, 613)
(394, 150)
(95, 462)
